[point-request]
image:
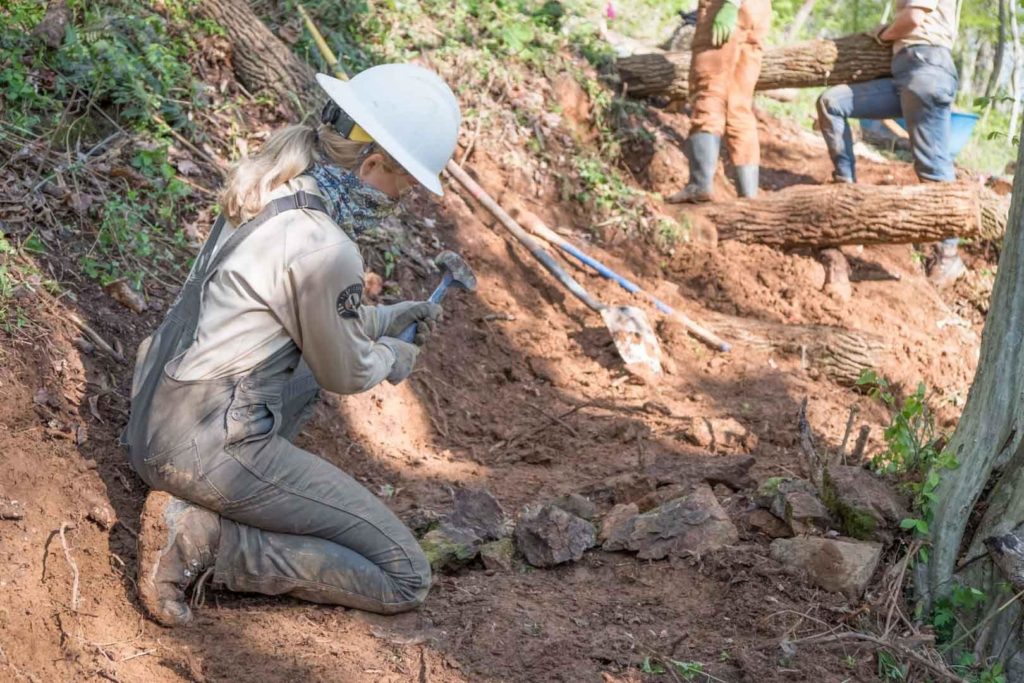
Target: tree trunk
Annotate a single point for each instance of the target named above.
(262, 61)
(802, 15)
(838, 353)
(997, 62)
(833, 215)
(1015, 84)
(809, 64)
(986, 491)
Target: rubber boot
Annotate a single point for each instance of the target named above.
(746, 180)
(946, 267)
(702, 152)
(177, 547)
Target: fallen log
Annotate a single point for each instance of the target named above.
(809, 64)
(261, 60)
(825, 216)
(838, 353)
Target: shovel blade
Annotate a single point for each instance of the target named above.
(633, 336)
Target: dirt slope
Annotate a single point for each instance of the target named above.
(479, 412)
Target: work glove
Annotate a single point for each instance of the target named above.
(405, 358)
(724, 24)
(876, 34)
(397, 317)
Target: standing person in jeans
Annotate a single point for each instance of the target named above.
(922, 89)
(272, 311)
(727, 49)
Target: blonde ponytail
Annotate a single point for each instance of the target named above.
(285, 155)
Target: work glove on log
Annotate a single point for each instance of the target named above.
(724, 24)
(397, 317)
(405, 358)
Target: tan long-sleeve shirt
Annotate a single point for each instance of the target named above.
(298, 278)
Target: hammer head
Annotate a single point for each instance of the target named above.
(462, 275)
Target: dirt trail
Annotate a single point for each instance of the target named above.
(480, 411)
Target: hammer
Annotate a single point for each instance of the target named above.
(456, 272)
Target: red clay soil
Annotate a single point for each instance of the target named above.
(480, 411)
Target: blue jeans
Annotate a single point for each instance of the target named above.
(922, 88)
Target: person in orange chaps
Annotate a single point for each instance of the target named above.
(727, 50)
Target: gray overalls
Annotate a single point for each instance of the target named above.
(291, 523)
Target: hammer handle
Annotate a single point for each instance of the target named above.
(409, 333)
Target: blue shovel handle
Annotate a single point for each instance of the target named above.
(409, 333)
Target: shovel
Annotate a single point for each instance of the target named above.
(634, 339)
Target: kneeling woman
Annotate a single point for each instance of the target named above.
(270, 313)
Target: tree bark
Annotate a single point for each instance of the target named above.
(838, 353)
(833, 215)
(809, 64)
(986, 491)
(262, 61)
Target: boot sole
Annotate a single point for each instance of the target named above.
(154, 542)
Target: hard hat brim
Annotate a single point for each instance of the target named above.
(343, 95)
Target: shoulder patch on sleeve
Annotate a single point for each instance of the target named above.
(349, 301)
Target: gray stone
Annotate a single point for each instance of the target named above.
(616, 526)
(858, 492)
(695, 523)
(449, 547)
(478, 511)
(768, 524)
(578, 505)
(548, 535)
(838, 565)
(497, 555)
(795, 501)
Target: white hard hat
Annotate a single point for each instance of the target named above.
(408, 110)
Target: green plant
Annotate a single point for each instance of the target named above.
(890, 668)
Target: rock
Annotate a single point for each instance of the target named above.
(842, 566)
(768, 524)
(578, 505)
(11, 509)
(719, 434)
(695, 523)
(616, 525)
(795, 501)
(497, 555)
(121, 292)
(862, 502)
(619, 489)
(805, 513)
(478, 511)
(730, 470)
(548, 536)
(450, 547)
(662, 495)
(52, 28)
(102, 515)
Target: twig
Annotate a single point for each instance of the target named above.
(885, 644)
(99, 341)
(894, 590)
(807, 446)
(841, 455)
(195, 150)
(71, 563)
(862, 442)
(138, 654)
(558, 418)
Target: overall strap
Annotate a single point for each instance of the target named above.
(299, 200)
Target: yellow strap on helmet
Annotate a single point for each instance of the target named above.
(358, 134)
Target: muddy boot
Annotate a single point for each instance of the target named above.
(746, 180)
(702, 151)
(177, 544)
(946, 266)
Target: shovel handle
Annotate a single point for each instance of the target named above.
(697, 330)
(524, 238)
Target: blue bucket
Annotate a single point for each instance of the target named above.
(960, 129)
